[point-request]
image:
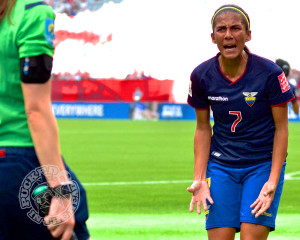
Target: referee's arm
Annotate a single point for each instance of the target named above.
(44, 133)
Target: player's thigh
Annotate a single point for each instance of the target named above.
(224, 233)
(250, 231)
(252, 186)
(226, 193)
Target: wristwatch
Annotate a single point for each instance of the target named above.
(63, 190)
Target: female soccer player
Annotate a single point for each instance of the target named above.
(239, 170)
(29, 141)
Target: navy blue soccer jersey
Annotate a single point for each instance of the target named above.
(243, 130)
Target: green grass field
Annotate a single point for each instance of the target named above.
(136, 175)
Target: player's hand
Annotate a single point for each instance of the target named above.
(201, 193)
(60, 221)
(264, 200)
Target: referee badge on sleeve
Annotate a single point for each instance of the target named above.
(49, 31)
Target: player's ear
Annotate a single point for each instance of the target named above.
(248, 38)
(213, 38)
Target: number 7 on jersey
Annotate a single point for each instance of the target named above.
(237, 121)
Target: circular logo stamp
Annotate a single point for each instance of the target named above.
(35, 195)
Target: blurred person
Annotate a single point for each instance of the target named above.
(60, 7)
(137, 109)
(50, 3)
(29, 142)
(83, 4)
(239, 170)
(74, 8)
(152, 110)
(285, 66)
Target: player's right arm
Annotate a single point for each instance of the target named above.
(202, 142)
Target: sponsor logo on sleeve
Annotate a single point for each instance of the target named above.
(284, 84)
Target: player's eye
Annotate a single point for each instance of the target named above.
(236, 28)
(221, 29)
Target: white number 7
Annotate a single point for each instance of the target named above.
(236, 122)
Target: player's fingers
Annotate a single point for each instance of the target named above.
(199, 207)
(192, 205)
(211, 201)
(257, 207)
(190, 189)
(261, 210)
(254, 204)
(204, 204)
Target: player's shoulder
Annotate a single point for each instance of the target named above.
(204, 67)
(265, 65)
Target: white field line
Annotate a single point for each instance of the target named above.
(292, 176)
(115, 226)
(288, 176)
(135, 183)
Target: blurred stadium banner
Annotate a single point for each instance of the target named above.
(112, 90)
(166, 111)
(130, 110)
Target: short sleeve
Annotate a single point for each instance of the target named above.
(36, 32)
(279, 90)
(197, 97)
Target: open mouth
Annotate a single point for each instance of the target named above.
(229, 46)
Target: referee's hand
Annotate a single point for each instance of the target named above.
(60, 221)
(201, 193)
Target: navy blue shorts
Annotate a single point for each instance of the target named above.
(234, 190)
(18, 220)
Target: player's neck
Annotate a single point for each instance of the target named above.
(233, 69)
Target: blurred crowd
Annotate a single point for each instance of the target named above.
(72, 7)
(294, 79)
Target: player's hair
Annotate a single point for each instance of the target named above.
(5, 8)
(233, 8)
(285, 66)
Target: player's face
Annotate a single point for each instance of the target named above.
(230, 34)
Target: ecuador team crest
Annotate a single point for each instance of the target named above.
(250, 97)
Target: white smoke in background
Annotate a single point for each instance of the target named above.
(167, 39)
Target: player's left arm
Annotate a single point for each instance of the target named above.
(266, 196)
